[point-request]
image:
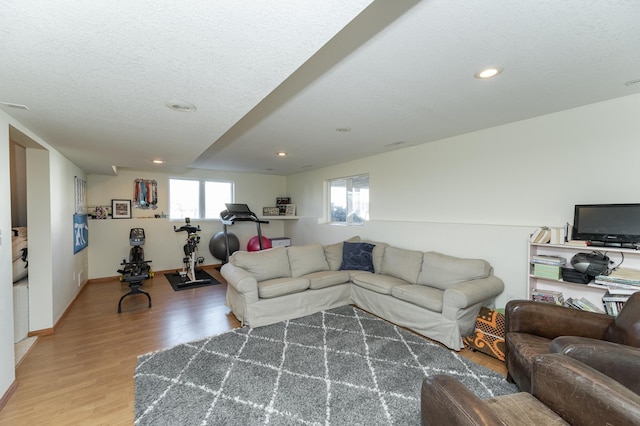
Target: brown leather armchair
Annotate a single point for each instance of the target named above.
(563, 391)
(531, 327)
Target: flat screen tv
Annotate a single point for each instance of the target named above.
(614, 224)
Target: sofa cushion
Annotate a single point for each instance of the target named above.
(378, 254)
(442, 271)
(322, 279)
(379, 283)
(333, 253)
(265, 264)
(307, 259)
(281, 287)
(401, 263)
(426, 297)
(357, 257)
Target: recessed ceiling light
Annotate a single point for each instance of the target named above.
(158, 161)
(180, 106)
(488, 72)
(282, 154)
(343, 129)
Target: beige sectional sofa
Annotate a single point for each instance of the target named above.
(433, 294)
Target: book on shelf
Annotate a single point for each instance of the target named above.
(547, 296)
(577, 243)
(547, 271)
(570, 303)
(624, 275)
(541, 235)
(548, 260)
(613, 303)
(590, 306)
(611, 297)
(621, 280)
(622, 291)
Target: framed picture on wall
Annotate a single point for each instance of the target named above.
(290, 210)
(80, 186)
(121, 209)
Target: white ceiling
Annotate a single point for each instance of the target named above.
(284, 75)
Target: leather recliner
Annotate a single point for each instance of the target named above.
(534, 328)
(563, 391)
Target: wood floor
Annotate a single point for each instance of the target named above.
(83, 373)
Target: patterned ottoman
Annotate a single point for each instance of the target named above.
(488, 336)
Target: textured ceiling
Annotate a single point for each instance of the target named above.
(282, 76)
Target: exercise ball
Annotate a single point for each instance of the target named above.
(218, 245)
(254, 244)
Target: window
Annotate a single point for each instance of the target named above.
(198, 198)
(349, 200)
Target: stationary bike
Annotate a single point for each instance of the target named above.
(191, 259)
(136, 269)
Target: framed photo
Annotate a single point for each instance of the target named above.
(121, 209)
(282, 202)
(290, 210)
(80, 195)
(270, 211)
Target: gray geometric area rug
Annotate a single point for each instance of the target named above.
(337, 367)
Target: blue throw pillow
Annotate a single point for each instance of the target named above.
(357, 257)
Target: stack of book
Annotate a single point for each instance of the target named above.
(583, 304)
(621, 281)
(613, 303)
(548, 296)
(548, 266)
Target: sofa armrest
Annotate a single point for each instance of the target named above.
(620, 362)
(550, 321)
(241, 280)
(581, 394)
(444, 400)
(468, 293)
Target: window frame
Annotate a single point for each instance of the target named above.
(349, 212)
(202, 202)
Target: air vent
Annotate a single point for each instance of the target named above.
(632, 82)
(180, 106)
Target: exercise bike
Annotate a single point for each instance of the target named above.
(135, 270)
(191, 259)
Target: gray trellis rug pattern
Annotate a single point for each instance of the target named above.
(337, 367)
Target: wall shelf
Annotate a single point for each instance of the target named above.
(630, 258)
(278, 217)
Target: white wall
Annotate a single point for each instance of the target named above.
(7, 372)
(109, 239)
(482, 193)
(52, 264)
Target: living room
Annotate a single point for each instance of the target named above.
(478, 194)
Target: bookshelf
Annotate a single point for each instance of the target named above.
(630, 258)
